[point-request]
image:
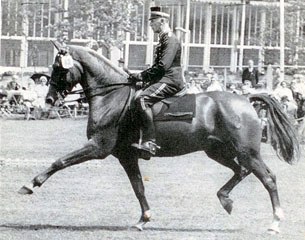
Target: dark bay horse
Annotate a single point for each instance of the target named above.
(226, 127)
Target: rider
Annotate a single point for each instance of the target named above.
(162, 80)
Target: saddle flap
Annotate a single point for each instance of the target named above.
(177, 108)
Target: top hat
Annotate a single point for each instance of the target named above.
(155, 12)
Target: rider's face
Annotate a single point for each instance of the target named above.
(156, 25)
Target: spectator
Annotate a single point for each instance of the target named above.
(29, 97)
(247, 89)
(251, 74)
(193, 88)
(284, 95)
(290, 108)
(13, 90)
(71, 101)
(41, 90)
(6, 78)
(215, 85)
(233, 89)
(298, 85)
(187, 76)
(281, 91)
(14, 84)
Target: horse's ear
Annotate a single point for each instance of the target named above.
(56, 44)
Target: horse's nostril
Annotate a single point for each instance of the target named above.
(50, 100)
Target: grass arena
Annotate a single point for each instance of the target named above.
(94, 200)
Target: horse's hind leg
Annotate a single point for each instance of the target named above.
(222, 154)
(131, 166)
(88, 152)
(268, 179)
(223, 193)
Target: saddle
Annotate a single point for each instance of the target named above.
(176, 108)
(180, 107)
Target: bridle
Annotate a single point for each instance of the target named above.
(99, 90)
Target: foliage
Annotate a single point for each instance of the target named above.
(105, 20)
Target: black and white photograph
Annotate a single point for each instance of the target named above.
(152, 119)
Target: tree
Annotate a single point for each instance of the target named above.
(106, 20)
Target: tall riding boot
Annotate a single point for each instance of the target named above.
(148, 143)
(148, 126)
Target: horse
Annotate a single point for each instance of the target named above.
(226, 127)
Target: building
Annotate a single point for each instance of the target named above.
(217, 33)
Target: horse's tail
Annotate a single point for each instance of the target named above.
(283, 137)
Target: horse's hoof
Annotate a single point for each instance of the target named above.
(229, 207)
(145, 218)
(274, 228)
(25, 190)
(227, 204)
(139, 226)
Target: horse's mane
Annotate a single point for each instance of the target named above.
(104, 65)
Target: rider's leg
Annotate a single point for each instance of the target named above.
(144, 101)
(148, 126)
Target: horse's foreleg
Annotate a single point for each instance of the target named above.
(88, 152)
(132, 169)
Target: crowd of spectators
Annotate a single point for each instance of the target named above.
(23, 94)
(290, 93)
(27, 95)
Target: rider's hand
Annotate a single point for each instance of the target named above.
(135, 77)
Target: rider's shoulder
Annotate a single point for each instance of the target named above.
(168, 37)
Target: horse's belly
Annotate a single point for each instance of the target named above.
(178, 138)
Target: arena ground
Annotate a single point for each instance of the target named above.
(94, 200)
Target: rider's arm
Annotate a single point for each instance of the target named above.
(164, 59)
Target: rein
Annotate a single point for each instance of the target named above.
(112, 87)
(104, 89)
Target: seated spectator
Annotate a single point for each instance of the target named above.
(13, 85)
(284, 95)
(71, 101)
(247, 89)
(29, 97)
(233, 89)
(298, 85)
(5, 79)
(215, 85)
(193, 88)
(14, 91)
(283, 90)
(290, 108)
